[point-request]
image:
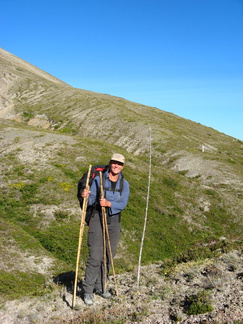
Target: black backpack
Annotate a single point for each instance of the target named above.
(95, 171)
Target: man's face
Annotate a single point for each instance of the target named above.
(116, 167)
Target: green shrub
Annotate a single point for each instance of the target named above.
(17, 284)
(210, 192)
(28, 192)
(61, 239)
(197, 304)
(170, 182)
(61, 214)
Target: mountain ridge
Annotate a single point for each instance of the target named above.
(12, 59)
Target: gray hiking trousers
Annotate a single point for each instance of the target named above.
(94, 267)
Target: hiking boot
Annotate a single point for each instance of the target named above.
(88, 299)
(105, 294)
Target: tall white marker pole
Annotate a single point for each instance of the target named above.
(146, 212)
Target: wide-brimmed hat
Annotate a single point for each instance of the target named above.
(118, 158)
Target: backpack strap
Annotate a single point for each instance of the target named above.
(116, 190)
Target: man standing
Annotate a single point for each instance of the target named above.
(116, 194)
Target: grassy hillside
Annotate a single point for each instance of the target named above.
(50, 133)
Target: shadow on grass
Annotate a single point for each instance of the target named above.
(66, 280)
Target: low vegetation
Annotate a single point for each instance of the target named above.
(40, 198)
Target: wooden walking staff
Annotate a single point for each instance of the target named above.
(106, 234)
(81, 231)
(103, 211)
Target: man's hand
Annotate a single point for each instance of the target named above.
(85, 193)
(105, 203)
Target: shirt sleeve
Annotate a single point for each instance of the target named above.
(94, 191)
(118, 205)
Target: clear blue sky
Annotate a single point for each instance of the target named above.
(185, 57)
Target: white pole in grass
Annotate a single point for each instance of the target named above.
(146, 211)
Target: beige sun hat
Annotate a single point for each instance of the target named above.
(118, 157)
